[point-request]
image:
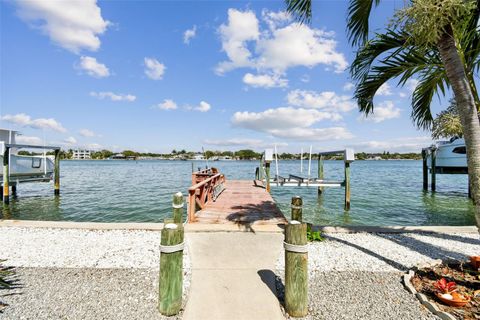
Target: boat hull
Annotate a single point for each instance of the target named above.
(450, 157)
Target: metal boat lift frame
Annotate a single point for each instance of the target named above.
(263, 174)
(6, 169)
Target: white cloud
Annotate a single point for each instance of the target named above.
(235, 142)
(264, 80)
(278, 48)
(24, 120)
(411, 84)
(285, 117)
(326, 100)
(384, 111)
(87, 133)
(92, 67)
(113, 96)
(276, 19)
(313, 134)
(241, 27)
(203, 107)
(384, 90)
(29, 140)
(189, 34)
(402, 144)
(73, 25)
(154, 69)
(94, 146)
(70, 140)
(402, 94)
(299, 45)
(348, 86)
(167, 104)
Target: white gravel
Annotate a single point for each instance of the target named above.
(118, 264)
(386, 252)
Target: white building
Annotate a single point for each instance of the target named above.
(80, 154)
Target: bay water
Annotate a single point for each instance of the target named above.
(383, 193)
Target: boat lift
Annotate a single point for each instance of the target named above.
(263, 173)
(10, 178)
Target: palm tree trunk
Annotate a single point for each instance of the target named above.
(467, 111)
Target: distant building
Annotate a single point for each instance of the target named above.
(80, 154)
(121, 156)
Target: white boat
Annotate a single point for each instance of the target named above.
(450, 156)
(24, 168)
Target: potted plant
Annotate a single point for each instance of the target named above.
(447, 293)
(475, 262)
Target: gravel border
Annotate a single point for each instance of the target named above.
(71, 255)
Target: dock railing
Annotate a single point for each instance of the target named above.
(204, 191)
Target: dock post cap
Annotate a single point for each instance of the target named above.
(295, 222)
(171, 226)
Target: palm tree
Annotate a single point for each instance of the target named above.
(437, 41)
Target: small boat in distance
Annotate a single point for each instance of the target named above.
(451, 156)
(24, 168)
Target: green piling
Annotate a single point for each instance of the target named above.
(297, 208)
(171, 270)
(267, 175)
(433, 170)
(425, 170)
(177, 205)
(320, 172)
(296, 270)
(347, 185)
(57, 172)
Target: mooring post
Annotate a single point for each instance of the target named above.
(347, 185)
(14, 190)
(170, 286)
(320, 172)
(433, 169)
(296, 269)
(57, 172)
(177, 205)
(425, 169)
(297, 208)
(267, 175)
(6, 177)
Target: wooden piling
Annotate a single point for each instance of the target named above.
(320, 172)
(267, 175)
(425, 169)
(177, 205)
(297, 208)
(6, 176)
(171, 273)
(347, 185)
(57, 172)
(296, 269)
(433, 170)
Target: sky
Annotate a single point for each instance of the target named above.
(153, 76)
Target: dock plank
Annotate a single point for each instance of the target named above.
(241, 203)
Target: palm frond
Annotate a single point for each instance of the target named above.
(433, 81)
(301, 10)
(381, 44)
(357, 23)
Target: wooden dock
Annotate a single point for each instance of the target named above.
(241, 203)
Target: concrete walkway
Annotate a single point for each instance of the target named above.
(233, 276)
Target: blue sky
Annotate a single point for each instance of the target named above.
(158, 75)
